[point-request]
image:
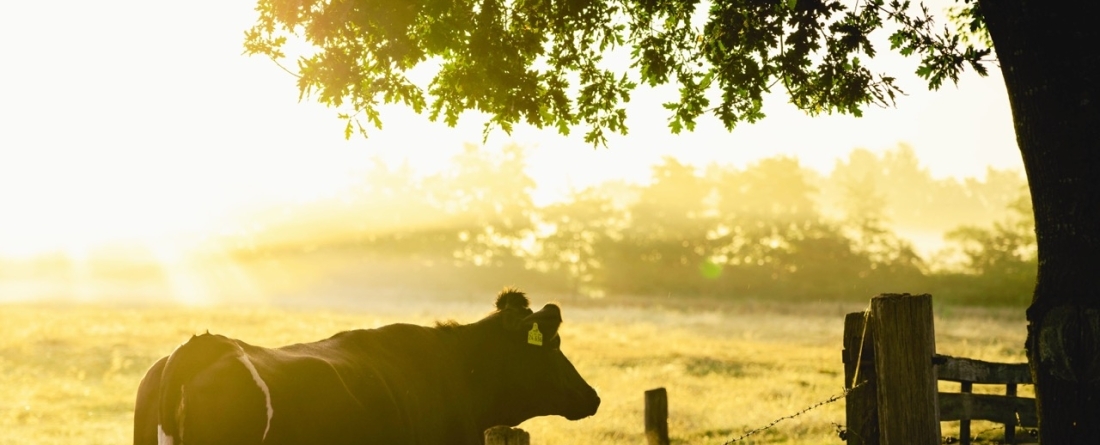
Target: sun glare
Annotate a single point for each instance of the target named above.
(169, 136)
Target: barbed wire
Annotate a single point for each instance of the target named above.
(973, 436)
(827, 401)
(1034, 433)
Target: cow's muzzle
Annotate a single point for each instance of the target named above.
(586, 405)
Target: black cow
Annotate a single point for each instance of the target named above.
(398, 384)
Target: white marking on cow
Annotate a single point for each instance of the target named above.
(263, 387)
(163, 439)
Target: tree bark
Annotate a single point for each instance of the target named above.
(1051, 65)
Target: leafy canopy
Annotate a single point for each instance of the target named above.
(543, 61)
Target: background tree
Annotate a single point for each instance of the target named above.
(914, 202)
(866, 222)
(666, 237)
(487, 200)
(767, 228)
(541, 62)
(582, 230)
(1004, 253)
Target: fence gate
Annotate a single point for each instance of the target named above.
(890, 360)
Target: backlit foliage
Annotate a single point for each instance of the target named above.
(548, 63)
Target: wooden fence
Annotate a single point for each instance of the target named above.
(892, 370)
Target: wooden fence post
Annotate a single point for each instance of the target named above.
(656, 416)
(502, 435)
(860, 404)
(905, 342)
(964, 424)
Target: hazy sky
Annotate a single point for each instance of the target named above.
(135, 118)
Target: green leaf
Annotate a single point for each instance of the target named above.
(675, 125)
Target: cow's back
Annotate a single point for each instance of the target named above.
(393, 385)
(400, 380)
(319, 397)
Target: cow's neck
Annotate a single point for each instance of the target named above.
(468, 344)
(482, 365)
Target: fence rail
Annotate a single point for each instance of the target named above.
(964, 406)
(981, 372)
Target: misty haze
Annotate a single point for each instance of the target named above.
(407, 221)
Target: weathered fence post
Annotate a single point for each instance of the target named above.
(502, 435)
(656, 416)
(905, 342)
(964, 424)
(861, 404)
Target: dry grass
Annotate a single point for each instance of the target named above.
(68, 373)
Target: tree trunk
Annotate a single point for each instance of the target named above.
(1051, 65)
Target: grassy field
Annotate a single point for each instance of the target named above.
(68, 373)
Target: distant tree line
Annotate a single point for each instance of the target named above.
(771, 230)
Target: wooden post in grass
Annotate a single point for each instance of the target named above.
(656, 416)
(502, 435)
(861, 404)
(905, 342)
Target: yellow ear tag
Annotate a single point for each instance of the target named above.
(534, 337)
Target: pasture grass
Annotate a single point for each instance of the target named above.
(68, 373)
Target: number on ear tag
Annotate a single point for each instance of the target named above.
(534, 337)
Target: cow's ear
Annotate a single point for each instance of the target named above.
(548, 320)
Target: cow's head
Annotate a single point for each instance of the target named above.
(535, 377)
